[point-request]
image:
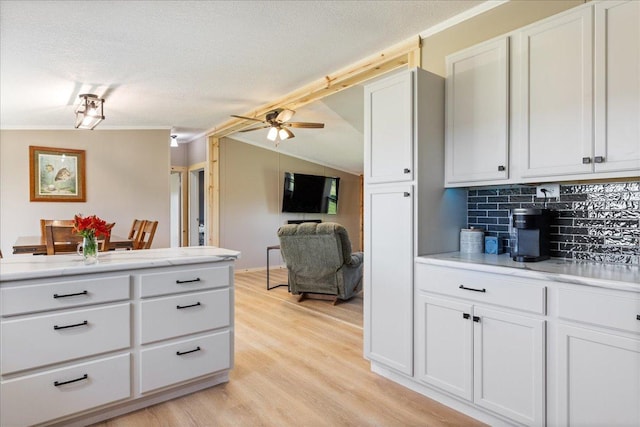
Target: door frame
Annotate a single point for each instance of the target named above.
(184, 204)
(193, 170)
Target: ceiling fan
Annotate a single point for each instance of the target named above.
(278, 121)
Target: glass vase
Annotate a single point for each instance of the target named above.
(89, 249)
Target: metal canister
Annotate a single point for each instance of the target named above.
(472, 240)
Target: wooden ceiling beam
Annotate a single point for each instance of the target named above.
(405, 54)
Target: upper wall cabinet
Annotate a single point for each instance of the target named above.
(580, 92)
(477, 144)
(617, 90)
(389, 130)
(555, 62)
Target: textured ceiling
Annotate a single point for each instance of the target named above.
(188, 65)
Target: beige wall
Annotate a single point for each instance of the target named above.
(500, 20)
(127, 178)
(251, 180)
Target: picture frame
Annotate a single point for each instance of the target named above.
(56, 174)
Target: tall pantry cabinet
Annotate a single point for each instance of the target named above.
(408, 212)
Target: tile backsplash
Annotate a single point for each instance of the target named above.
(597, 222)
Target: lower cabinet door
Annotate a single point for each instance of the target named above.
(168, 364)
(444, 353)
(57, 393)
(599, 378)
(509, 365)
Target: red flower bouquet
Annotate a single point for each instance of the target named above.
(91, 226)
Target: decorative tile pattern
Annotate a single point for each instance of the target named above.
(595, 222)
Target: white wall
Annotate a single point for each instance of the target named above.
(251, 180)
(127, 177)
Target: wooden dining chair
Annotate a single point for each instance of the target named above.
(61, 239)
(135, 229)
(144, 238)
(45, 222)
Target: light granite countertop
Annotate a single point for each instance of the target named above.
(22, 267)
(622, 277)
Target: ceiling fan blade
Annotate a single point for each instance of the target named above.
(304, 125)
(247, 118)
(259, 127)
(285, 115)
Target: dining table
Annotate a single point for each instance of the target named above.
(37, 245)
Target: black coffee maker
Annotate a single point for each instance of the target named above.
(530, 234)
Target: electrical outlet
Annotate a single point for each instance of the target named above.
(553, 190)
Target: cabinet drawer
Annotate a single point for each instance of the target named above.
(184, 280)
(489, 288)
(43, 340)
(57, 295)
(35, 398)
(177, 315)
(613, 309)
(170, 364)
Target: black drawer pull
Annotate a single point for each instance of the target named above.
(407, 170)
(471, 289)
(187, 306)
(598, 159)
(586, 160)
(638, 317)
(501, 168)
(56, 327)
(71, 295)
(59, 383)
(465, 315)
(407, 194)
(180, 353)
(197, 279)
(476, 319)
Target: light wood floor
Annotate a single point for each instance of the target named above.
(295, 366)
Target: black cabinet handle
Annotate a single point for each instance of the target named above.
(56, 327)
(465, 315)
(476, 319)
(638, 317)
(598, 159)
(471, 289)
(59, 383)
(197, 279)
(180, 353)
(187, 306)
(586, 160)
(70, 295)
(407, 194)
(407, 170)
(501, 168)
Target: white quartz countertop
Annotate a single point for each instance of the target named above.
(577, 272)
(21, 267)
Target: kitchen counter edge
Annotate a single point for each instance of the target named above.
(610, 276)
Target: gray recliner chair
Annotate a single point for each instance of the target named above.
(319, 260)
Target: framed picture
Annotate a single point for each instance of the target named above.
(56, 175)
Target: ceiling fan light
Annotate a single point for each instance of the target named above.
(273, 134)
(285, 133)
(285, 115)
(174, 141)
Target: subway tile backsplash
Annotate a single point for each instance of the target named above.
(594, 222)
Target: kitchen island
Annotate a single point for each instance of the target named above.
(83, 343)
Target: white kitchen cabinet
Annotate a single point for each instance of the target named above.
(555, 60)
(389, 129)
(477, 121)
(407, 211)
(617, 89)
(444, 341)
(110, 338)
(491, 357)
(389, 269)
(598, 351)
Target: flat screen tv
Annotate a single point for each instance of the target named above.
(310, 193)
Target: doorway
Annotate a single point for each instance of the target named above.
(179, 207)
(197, 214)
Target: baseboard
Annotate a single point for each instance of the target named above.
(442, 397)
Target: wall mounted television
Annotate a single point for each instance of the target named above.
(310, 193)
